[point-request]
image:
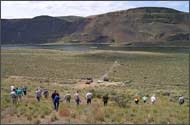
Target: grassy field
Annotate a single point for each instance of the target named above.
(142, 73)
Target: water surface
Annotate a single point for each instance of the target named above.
(90, 47)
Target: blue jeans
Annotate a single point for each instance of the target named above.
(56, 105)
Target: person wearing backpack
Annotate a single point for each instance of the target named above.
(24, 89)
(136, 99)
(67, 98)
(56, 102)
(14, 96)
(144, 99)
(45, 93)
(53, 95)
(38, 94)
(181, 100)
(19, 93)
(77, 98)
(89, 97)
(153, 99)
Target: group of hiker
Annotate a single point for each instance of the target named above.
(56, 99)
(17, 93)
(39, 93)
(153, 99)
(144, 98)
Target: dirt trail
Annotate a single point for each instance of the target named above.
(82, 85)
(115, 64)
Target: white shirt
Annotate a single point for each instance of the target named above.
(76, 95)
(13, 94)
(181, 98)
(89, 95)
(38, 93)
(153, 99)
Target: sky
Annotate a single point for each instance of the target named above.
(30, 9)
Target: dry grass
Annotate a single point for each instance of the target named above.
(142, 74)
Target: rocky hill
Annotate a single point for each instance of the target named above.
(138, 25)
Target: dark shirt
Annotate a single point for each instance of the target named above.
(54, 94)
(24, 88)
(105, 98)
(45, 92)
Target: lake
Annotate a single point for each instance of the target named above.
(90, 47)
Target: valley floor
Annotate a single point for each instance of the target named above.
(141, 73)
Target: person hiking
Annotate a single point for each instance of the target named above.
(144, 99)
(38, 94)
(45, 93)
(54, 94)
(105, 99)
(56, 101)
(77, 98)
(12, 87)
(153, 99)
(14, 96)
(89, 97)
(181, 100)
(136, 99)
(67, 98)
(19, 93)
(24, 89)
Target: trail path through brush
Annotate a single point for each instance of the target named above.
(94, 84)
(115, 64)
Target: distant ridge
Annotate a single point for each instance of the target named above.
(144, 25)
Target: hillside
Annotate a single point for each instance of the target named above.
(40, 29)
(139, 25)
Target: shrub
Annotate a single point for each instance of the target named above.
(73, 115)
(155, 111)
(54, 118)
(37, 122)
(47, 81)
(121, 101)
(64, 113)
(98, 95)
(42, 116)
(46, 110)
(98, 114)
(29, 117)
(113, 93)
(35, 116)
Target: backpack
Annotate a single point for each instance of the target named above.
(13, 95)
(181, 100)
(24, 89)
(77, 98)
(19, 92)
(56, 98)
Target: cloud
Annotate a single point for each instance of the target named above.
(29, 9)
